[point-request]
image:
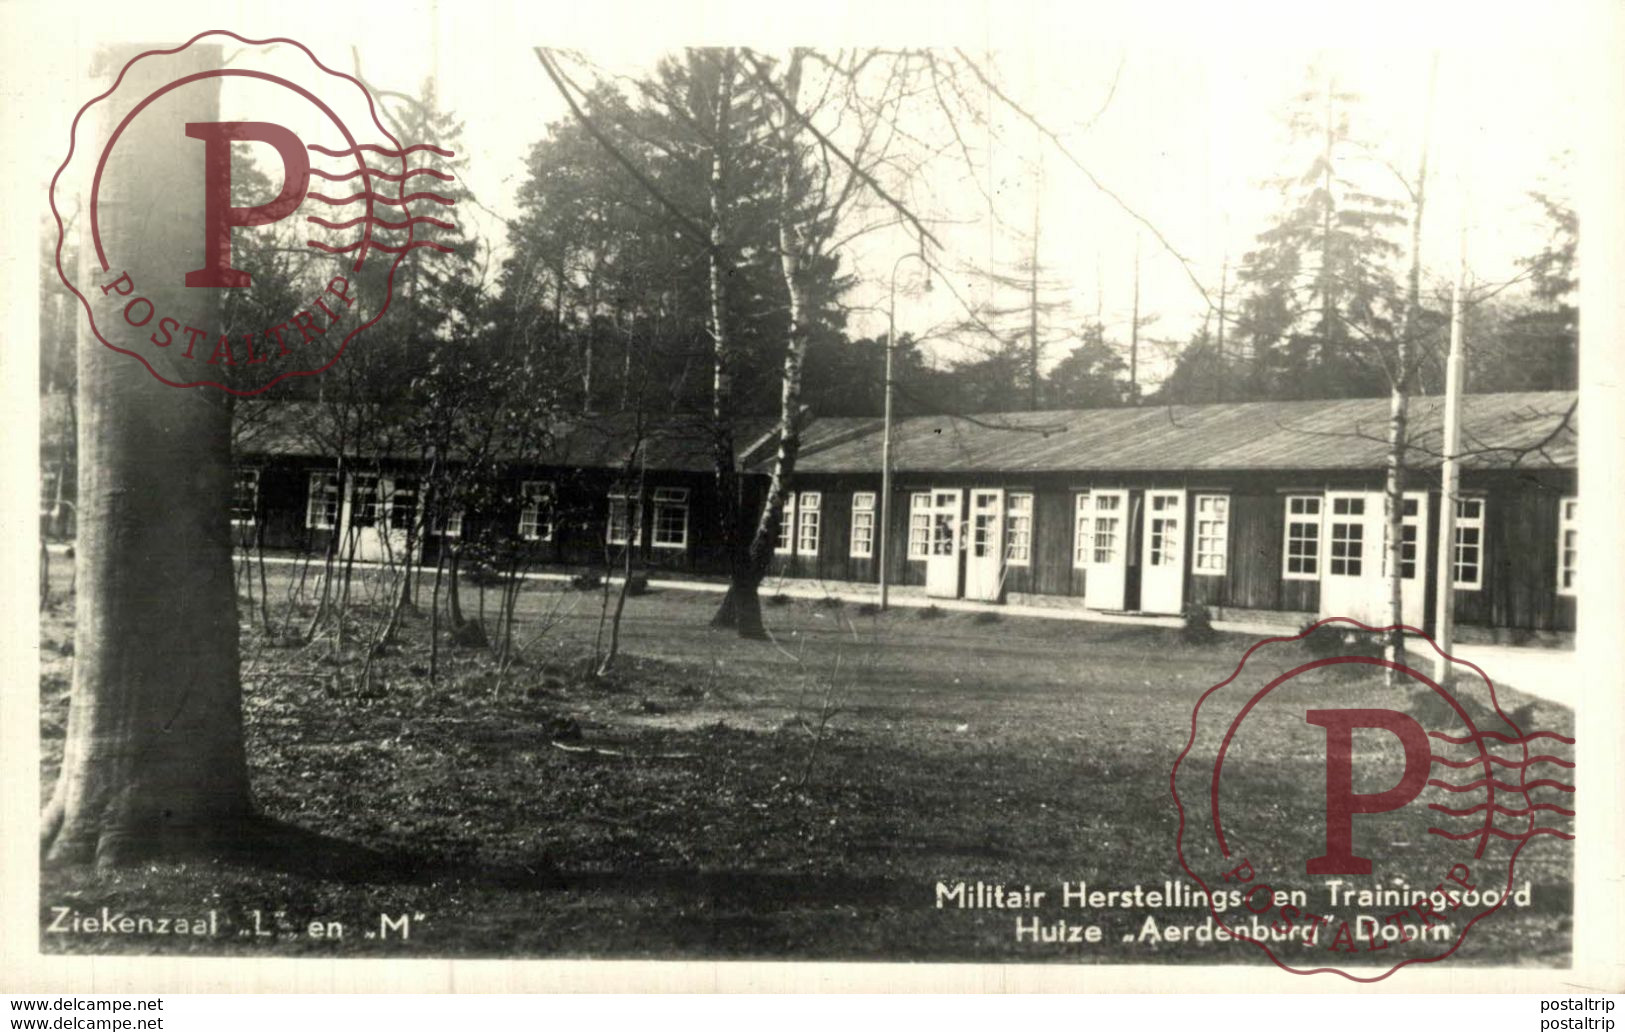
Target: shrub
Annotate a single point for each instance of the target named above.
(830, 602)
(931, 613)
(986, 616)
(1341, 640)
(1197, 628)
(780, 599)
(869, 609)
(587, 580)
(638, 584)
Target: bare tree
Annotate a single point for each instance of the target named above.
(1400, 372)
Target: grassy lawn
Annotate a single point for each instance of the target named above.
(717, 797)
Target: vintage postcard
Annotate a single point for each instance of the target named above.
(1058, 499)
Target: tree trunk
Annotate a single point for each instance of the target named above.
(1328, 306)
(741, 607)
(1033, 357)
(153, 762)
(434, 615)
(1399, 408)
(730, 514)
(743, 591)
(454, 591)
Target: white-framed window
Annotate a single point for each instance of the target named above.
(403, 503)
(363, 499)
(670, 517)
(1347, 537)
(322, 500)
(1018, 528)
(1300, 559)
(945, 522)
(783, 544)
(536, 510)
(919, 525)
(1165, 529)
(1212, 534)
(1568, 544)
(1410, 530)
(1469, 555)
(1082, 529)
(863, 524)
(245, 496)
(450, 524)
(809, 522)
(1106, 528)
(625, 523)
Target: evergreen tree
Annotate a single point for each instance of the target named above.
(1320, 301)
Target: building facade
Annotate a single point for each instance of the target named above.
(1270, 510)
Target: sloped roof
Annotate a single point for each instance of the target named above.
(1529, 430)
(1534, 430)
(673, 443)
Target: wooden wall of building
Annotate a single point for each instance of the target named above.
(1521, 533)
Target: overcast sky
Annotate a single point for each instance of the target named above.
(1192, 128)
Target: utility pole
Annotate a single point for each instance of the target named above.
(1445, 576)
(883, 535)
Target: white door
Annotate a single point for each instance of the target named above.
(1106, 584)
(984, 552)
(1162, 559)
(942, 564)
(1413, 565)
(380, 512)
(1351, 585)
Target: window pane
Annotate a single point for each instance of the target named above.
(364, 500)
(1568, 542)
(1302, 537)
(322, 501)
(863, 533)
(245, 497)
(403, 504)
(1082, 522)
(1018, 529)
(624, 518)
(671, 517)
(808, 524)
(1212, 534)
(536, 510)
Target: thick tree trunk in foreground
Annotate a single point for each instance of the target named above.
(153, 761)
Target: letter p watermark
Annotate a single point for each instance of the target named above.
(219, 215)
(1342, 802)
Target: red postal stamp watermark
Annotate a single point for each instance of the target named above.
(1358, 822)
(239, 249)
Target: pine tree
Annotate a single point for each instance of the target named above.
(1319, 295)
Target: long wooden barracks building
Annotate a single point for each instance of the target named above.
(1249, 509)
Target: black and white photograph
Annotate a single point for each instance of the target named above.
(1102, 503)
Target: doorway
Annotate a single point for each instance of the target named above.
(1162, 558)
(942, 562)
(1106, 586)
(984, 556)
